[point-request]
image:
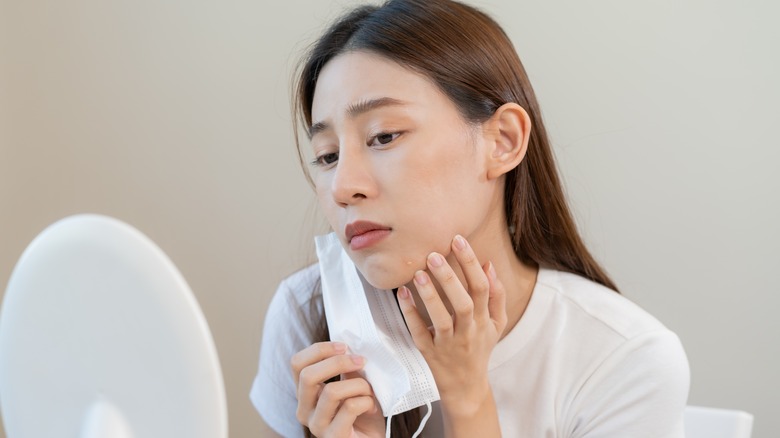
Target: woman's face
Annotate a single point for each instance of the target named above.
(399, 172)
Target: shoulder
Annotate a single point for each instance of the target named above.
(607, 328)
(599, 303)
(293, 315)
(577, 322)
(625, 354)
(295, 300)
(596, 304)
(291, 323)
(297, 288)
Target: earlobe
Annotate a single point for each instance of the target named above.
(509, 131)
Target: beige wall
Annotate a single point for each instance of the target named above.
(173, 116)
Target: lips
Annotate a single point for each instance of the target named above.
(361, 234)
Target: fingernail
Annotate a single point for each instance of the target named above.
(436, 260)
(420, 277)
(403, 292)
(340, 347)
(492, 271)
(460, 243)
(358, 360)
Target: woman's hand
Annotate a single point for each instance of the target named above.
(457, 346)
(342, 409)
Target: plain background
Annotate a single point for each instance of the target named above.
(174, 116)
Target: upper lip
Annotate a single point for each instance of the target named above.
(359, 227)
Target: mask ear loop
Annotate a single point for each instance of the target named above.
(424, 420)
(419, 429)
(387, 427)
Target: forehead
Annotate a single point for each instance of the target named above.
(354, 77)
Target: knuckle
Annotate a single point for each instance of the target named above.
(466, 308)
(351, 405)
(449, 276)
(469, 258)
(323, 348)
(429, 297)
(366, 387)
(301, 415)
(482, 285)
(329, 393)
(358, 405)
(307, 378)
(346, 363)
(316, 429)
(443, 329)
(296, 363)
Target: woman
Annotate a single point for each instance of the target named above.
(434, 170)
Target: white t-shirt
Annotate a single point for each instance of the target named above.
(583, 361)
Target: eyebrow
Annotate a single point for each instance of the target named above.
(356, 109)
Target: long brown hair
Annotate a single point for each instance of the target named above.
(470, 58)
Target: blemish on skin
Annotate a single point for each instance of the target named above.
(408, 263)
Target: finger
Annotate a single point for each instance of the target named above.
(462, 304)
(313, 354)
(312, 380)
(440, 317)
(476, 279)
(419, 331)
(348, 413)
(497, 300)
(332, 396)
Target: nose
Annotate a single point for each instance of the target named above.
(353, 179)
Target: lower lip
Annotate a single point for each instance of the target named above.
(367, 239)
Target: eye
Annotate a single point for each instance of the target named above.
(326, 159)
(383, 138)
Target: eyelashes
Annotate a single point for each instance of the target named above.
(325, 159)
(378, 140)
(384, 138)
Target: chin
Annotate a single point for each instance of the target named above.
(383, 278)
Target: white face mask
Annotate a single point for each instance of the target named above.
(369, 321)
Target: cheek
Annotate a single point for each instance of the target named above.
(325, 201)
(440, 205)
(322, 193)
(449, 198)
(445, 185)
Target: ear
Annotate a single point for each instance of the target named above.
(506, 135)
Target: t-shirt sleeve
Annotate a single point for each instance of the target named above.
(287, 330)
(639, 390)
